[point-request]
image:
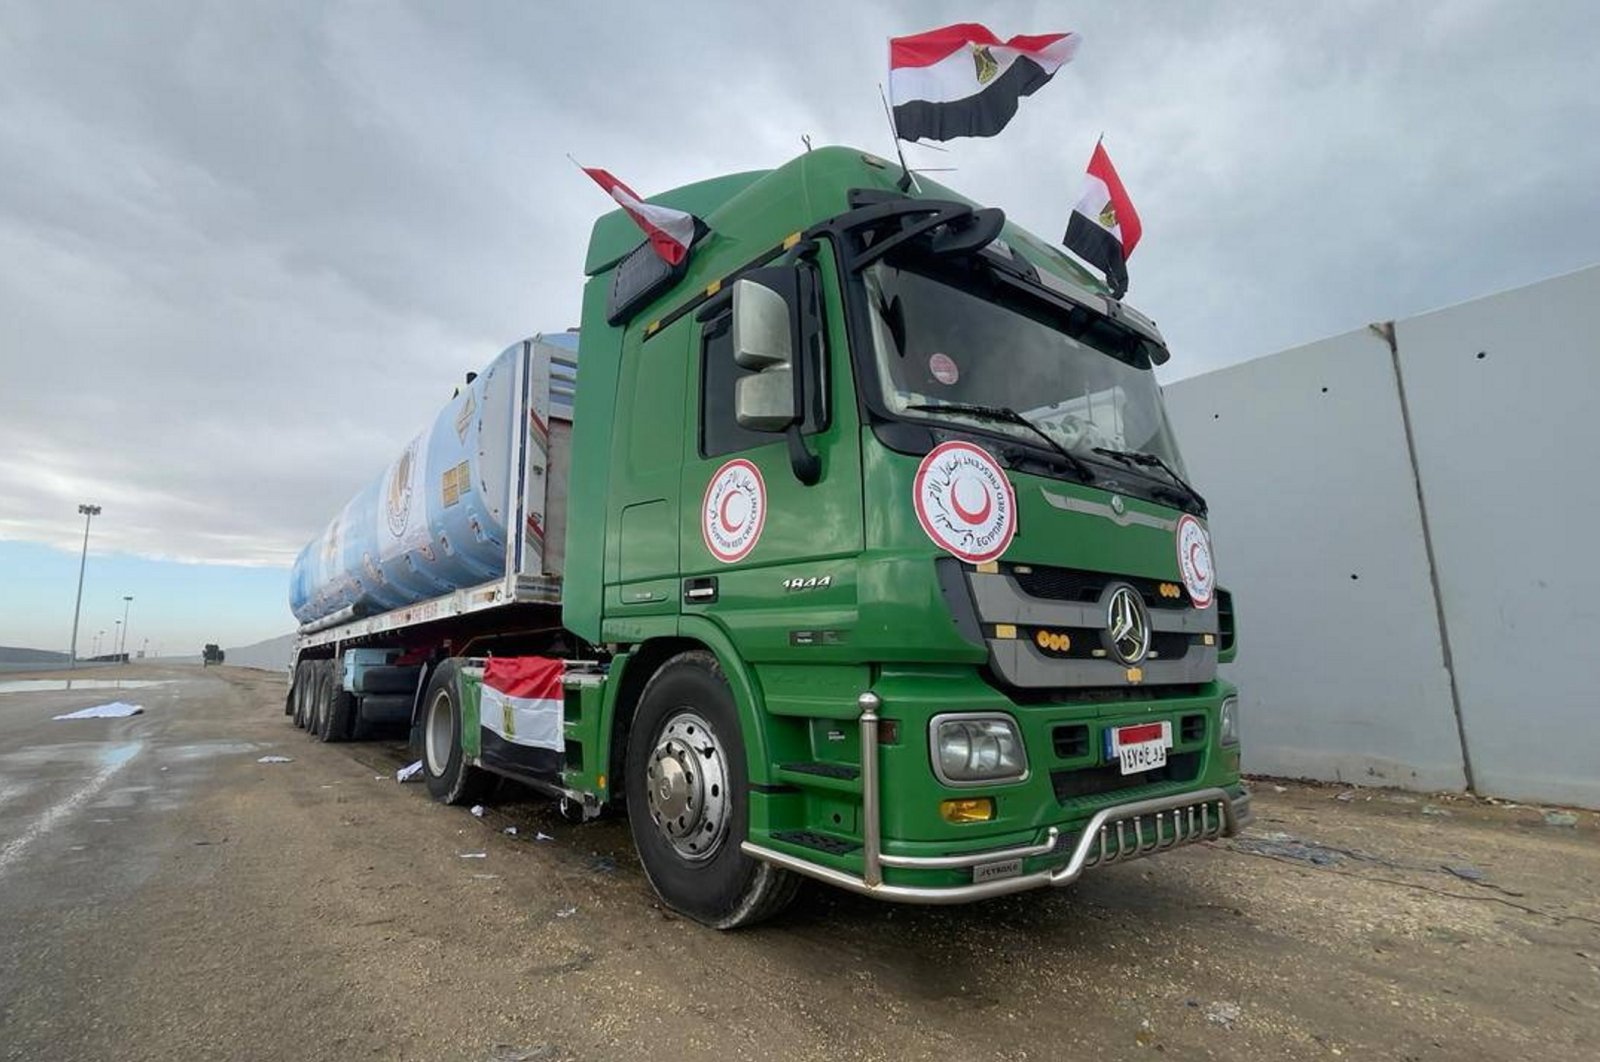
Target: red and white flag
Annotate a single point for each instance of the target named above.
(522, 701)
(962, 80)
(671, 232)
(1104, 227)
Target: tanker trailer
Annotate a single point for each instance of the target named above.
(441, 516)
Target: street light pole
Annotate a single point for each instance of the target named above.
(116, 638)
(89, 513)
(127, 603)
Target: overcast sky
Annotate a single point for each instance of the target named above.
(246, 249)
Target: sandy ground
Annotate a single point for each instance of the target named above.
(164, 895)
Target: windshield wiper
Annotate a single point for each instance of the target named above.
(1135, 457)
(1010, 416)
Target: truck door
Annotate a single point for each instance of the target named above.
(771, 559)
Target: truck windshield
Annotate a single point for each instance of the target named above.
(938, 344)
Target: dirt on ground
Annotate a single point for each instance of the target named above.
(202, 904)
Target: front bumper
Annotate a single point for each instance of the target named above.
(1112, 835)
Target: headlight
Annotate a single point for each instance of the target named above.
(972, 749)
(1228, 723)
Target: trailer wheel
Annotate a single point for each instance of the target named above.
(321, 693)
(451, 780)
(337, 720)
(687, 794)
(303, 673)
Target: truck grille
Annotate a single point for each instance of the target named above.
(1068, 584)
(1072, 784)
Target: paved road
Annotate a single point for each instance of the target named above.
(165, 896)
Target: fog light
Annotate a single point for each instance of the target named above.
(1228, 723)
(975, 809)
(975, 749)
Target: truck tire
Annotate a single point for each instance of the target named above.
(451, 779)
(302, 691)
(339, 719)
(321, 693)
(688, 802)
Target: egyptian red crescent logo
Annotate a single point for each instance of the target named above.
(733, 511)
(966, 514)
(964, 502)
(1194, 560)
(722, 513)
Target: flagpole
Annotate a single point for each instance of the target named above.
(906, 180)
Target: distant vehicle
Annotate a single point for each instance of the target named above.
(212, 655)
(856, 545)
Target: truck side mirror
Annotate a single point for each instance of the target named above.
(763, 340)
(762, 327)
(765, 401)
(775, 319)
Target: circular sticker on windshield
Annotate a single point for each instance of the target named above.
(943, 368)
(1194, 561)
(733, 511)
(965, 502)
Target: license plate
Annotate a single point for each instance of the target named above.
(1141, 747)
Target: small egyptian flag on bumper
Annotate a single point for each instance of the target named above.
(964, 81)
(1104, 227)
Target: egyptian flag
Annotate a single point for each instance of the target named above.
(1104, 228)
(964, 81)
(522, 714)
(671, 232)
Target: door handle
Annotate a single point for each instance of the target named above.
(700, 591)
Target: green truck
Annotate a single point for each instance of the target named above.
(856, 546)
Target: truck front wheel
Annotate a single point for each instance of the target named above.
(688, 806)
(451, 779)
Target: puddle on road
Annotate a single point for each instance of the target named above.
(46, 685)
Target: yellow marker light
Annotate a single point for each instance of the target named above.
(1136, 674)
(1209, 639)
(790, 240)
(989, 568)
(1169, 589)
(600, 781)
(1052, 640)
(713, 287)
(969, 809)
(653, 328)
(1005, 630)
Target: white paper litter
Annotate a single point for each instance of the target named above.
(275, 759)
(512, 830)
(114, 710)
(473, 855)
(405, 774)
(477, 810)
(566, 912)
(542, 837)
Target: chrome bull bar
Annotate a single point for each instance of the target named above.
(1115, 834)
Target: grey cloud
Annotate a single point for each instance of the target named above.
(247, 249)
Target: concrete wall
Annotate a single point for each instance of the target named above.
(1371, 650)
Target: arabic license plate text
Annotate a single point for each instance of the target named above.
(1143, 756)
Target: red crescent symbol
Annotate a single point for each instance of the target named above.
(972, 518)
(722, 514)
(1194, 562)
